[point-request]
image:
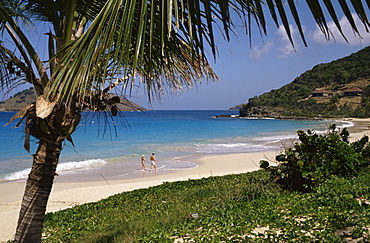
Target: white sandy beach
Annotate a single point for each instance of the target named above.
(65, 194)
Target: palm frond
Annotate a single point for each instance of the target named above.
(7, 70)
(24, 46)
(134, 39)
(146, 38)
(16, 10)
(330, 8)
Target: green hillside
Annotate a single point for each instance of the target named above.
(296, 99)
(27, 96)
(19, 100)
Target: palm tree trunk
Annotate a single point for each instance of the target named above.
(38, 188)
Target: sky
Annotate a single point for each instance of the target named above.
(247, 69)
(270, 63)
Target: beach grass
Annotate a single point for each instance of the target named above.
(233, 208)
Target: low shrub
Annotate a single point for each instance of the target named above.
(233, 208)
(315, 158)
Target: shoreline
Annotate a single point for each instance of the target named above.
(68, 194)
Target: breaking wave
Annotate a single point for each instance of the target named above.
(67, 166)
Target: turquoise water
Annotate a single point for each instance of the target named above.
(102, 143)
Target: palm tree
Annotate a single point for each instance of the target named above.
(52, 121)
(96, 45)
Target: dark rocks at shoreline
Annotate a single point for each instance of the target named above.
(227, 116)
(260, 112)
(269, 117)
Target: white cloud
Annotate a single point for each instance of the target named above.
(280, 44)
(285, 47)
(257, 52)
(353, 39)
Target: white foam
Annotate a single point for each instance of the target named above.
(179, 165)
(231, 148)
(67, 166)
(276, 138)
(345, 124)
(81, 164)
(340, 125)
(17, 175)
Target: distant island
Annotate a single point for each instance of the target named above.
(337, 89)
(28, 96)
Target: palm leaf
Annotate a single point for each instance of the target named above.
(334, 17)
(207, 10)
(319, 16)
(99, 47)
(348, 15)
(284, 19)
(294, 11)
(271, 6)
(19, 37)
(359, 8)
(261, 16)
(125, 33)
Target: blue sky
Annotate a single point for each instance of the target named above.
(270, 63)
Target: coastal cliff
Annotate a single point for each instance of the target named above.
(332, 90)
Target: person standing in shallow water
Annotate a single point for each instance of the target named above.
(152, 162)
(142, 162)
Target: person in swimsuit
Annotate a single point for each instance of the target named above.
(142, 162)
(152, 162)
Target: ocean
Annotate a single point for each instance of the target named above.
(111, 149)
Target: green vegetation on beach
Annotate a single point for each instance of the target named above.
(236, 208)
(231, 208)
